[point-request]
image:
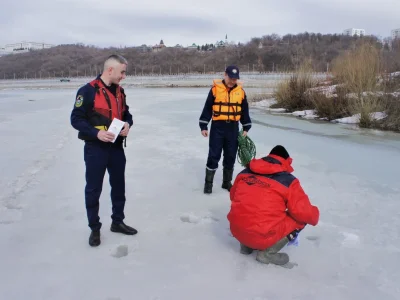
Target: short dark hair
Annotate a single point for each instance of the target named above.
(118, 58)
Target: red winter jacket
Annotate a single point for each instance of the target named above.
(268, 203)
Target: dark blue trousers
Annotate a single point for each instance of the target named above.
(100, 157)
(223, 138)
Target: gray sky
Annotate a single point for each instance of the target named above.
(130, 23)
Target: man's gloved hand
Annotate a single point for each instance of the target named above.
(293, 238)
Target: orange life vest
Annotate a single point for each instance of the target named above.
(106, 106)
(227, 103)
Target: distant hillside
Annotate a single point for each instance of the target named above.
(269, 53)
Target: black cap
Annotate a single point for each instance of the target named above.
(232, 72)
(280, 151)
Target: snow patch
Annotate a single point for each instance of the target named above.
(277, 110)
(355, 119)
(395, 74)
(305, 114)
(266, 103)
(328, 91)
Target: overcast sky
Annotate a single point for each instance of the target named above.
(133, 22)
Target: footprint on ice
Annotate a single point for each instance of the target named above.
(313, 238)
(13, 206)
(290, 265)
(120, 251)
(350, 239)
(6, 222)
(191, 218)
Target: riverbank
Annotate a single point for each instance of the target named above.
(269, 106)
(251, 80)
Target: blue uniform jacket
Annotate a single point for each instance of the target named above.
(206, 114)
(79, 117)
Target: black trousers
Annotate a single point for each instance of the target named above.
(223, 139)
(100, 157)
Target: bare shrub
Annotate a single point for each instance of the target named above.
(392, 120)
(291, 94)
(358, 69)
(330, 108)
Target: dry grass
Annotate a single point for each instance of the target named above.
(358, 69)
(357, 74)
(330, 108)
(291, 94)
(392, 109)
(255, 97)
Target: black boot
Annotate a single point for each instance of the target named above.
(94, 238)
(227, 178)
(209, 181)
(123, 228)
(245, 250)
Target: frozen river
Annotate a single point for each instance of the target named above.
(350, 174)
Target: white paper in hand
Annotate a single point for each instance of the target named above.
(116, 127)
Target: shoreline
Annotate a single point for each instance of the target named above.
(310, 116)
(265, 86)
(262, 80)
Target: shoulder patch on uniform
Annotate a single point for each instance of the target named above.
(79, 101)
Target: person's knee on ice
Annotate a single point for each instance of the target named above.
(269, 207)
(225, 116)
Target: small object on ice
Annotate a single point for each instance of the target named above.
(294, 242)
(121, 251)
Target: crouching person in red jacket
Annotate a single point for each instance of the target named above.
(269, 207)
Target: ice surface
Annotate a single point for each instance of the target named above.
(184, 249)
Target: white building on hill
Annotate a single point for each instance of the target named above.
(25, 47)
(396, 33)
(354, 31)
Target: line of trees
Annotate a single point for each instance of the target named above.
(268, 53)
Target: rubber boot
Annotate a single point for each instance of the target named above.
(271, 255)
(209, 181)
(245, 250)
(227, 178)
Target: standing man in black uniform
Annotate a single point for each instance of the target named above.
(96, 105)
(226, 105)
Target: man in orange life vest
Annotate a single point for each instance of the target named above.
(96, 105)
(226, 104)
